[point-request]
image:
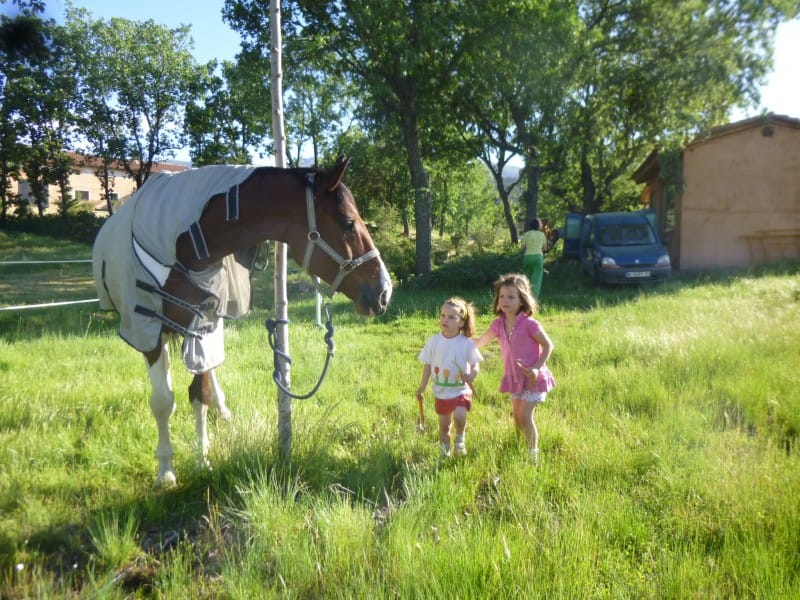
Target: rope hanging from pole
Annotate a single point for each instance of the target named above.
(278, 355)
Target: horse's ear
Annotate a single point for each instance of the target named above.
(337, 172)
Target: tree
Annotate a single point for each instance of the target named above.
(38, 105)
(317, 98)
(496, 158)
(652, 73)
(513, 88)
(401, 54)
(140, 77)
(23, 38)
(94, 110)
(230, 115)
(376, 178)
(465, 203)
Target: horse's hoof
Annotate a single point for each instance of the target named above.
(166, 480)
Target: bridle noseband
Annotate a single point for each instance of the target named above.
(315, 239)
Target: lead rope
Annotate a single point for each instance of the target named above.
(272, 326)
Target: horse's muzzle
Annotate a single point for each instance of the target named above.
(375, 296)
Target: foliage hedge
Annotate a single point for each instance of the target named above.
(398, 252)
(479, 269)
(78, 227)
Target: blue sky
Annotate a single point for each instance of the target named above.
(781, 94)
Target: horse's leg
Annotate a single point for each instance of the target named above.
(162, 404)
(200, 394)
(218, 396)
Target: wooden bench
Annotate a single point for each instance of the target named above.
(770, 244)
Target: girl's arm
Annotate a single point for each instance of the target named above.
(486, 337)
(546, 345)
(426, 374)
(472, 372)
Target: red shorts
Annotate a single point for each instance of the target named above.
(445, 407)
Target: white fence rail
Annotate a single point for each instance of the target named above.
(47, 304)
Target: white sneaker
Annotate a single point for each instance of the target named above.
(445, 450)
(461, 447)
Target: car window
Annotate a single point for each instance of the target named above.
(625, 234)
(609, 235)
(637, 234)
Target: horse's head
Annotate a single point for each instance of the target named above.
(339, 249)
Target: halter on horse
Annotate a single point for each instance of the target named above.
(178, 255)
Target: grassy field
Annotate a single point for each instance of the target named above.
(670, 462)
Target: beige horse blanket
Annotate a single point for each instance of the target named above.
(135, 251)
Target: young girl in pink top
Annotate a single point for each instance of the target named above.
(525, 348)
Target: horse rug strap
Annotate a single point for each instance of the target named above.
(135, 251)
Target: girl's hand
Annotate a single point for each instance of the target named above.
(530, 374)
(468, 379)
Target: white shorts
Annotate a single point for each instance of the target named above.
(528, 396)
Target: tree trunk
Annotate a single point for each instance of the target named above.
(63, 186)
(281, 297)
(497, 171)
(107, 186)
(509, 217)
(422, 193)
(590, 203)
(531, 194)
(4, 193)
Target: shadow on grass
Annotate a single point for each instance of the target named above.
(203, 517)
(564, 287)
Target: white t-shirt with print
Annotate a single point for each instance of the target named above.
(450, 358)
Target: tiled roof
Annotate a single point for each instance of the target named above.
(95, 161)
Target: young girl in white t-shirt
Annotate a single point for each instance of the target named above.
(451, 363)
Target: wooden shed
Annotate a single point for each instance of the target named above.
(731, 199)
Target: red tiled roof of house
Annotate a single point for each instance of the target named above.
(95, 161)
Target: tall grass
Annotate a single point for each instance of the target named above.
(669, 456)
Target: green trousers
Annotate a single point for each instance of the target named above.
(533, 267)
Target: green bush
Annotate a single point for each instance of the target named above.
(398, 253)
(79, 226)
(473, 270)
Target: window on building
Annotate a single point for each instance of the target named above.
(26, 195)
(83, 195)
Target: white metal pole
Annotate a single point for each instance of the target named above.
(319, 303)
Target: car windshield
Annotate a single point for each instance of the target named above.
(625, 234)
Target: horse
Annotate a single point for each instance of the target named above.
(176, 259)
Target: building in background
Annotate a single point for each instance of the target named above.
(86, 186)
(731, 199)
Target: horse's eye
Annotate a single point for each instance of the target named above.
(350, 225)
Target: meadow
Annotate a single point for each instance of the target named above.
(670, 465)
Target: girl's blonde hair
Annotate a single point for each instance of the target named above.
(467, 312)
(528, 303)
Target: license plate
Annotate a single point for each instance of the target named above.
(632, 274)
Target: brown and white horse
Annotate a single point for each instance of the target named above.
(310, 210)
